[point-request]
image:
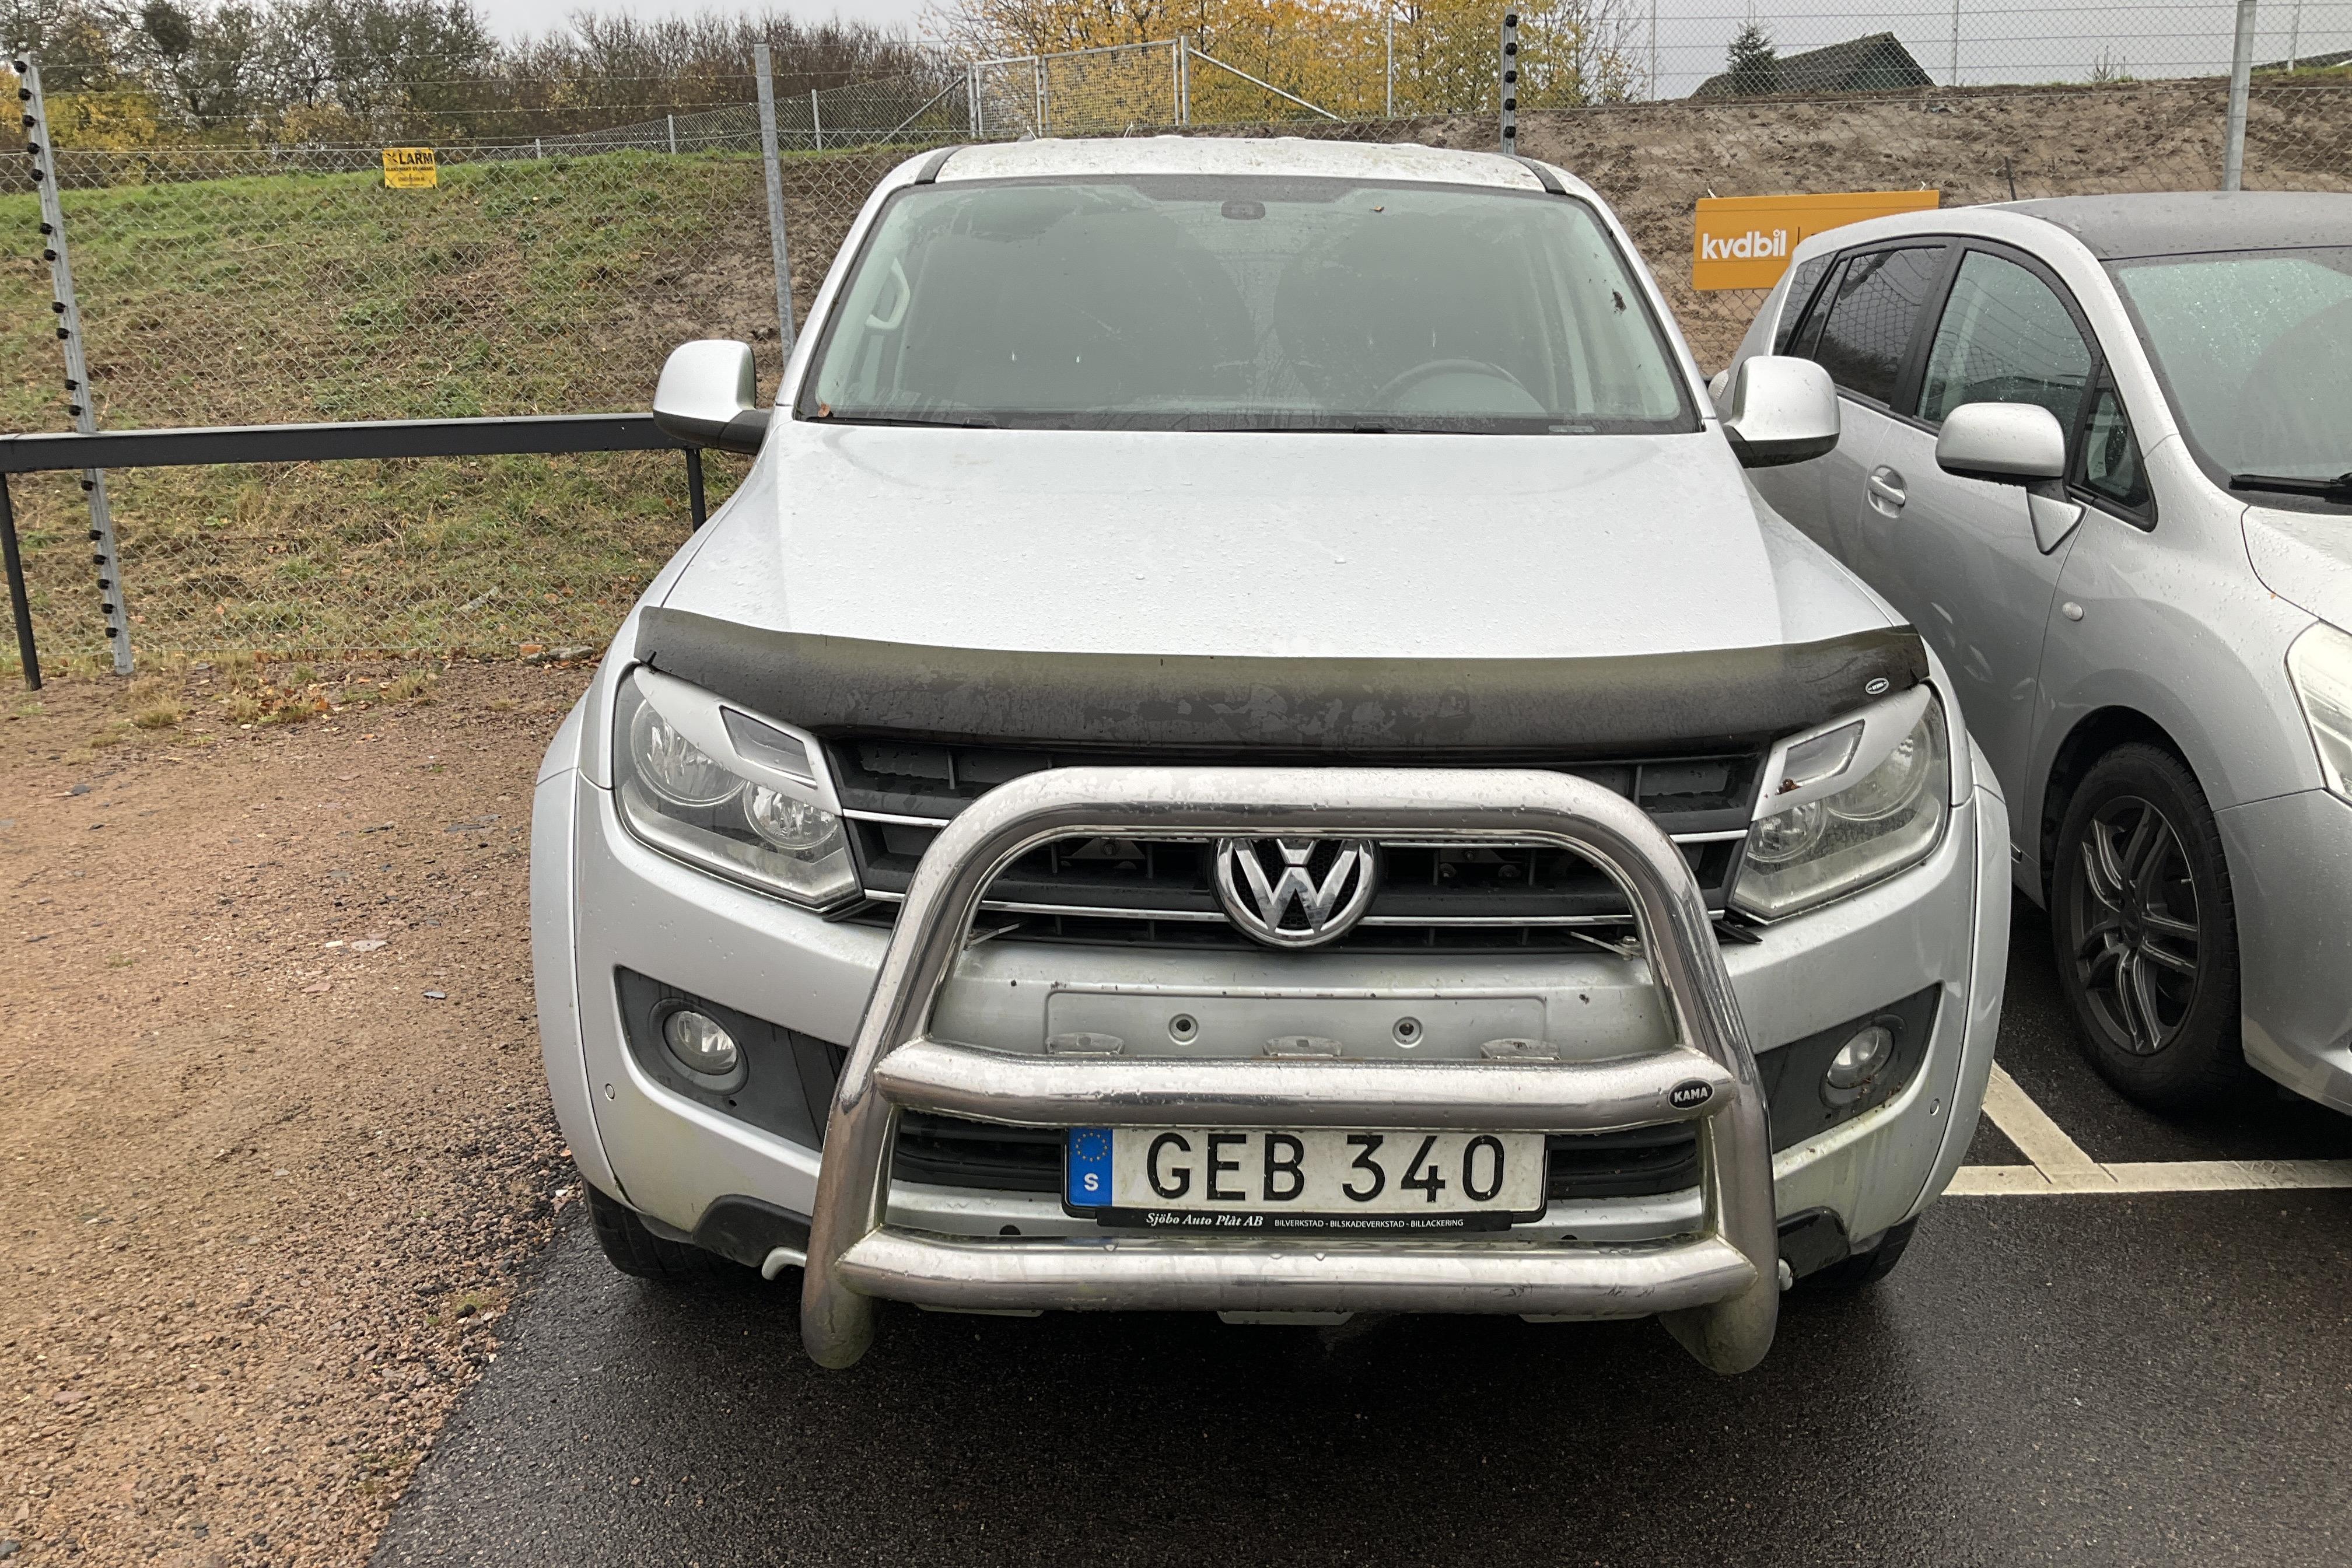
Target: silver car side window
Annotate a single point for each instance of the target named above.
(2111, 464)
(2005, 337)
(1871, 312)
(1802, 281)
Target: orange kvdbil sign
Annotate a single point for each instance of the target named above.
(1744, 242)
(410, 169)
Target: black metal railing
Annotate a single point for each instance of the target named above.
(66, 451)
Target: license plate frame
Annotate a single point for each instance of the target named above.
(1520, 1198)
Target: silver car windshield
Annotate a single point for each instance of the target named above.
(1239, 303)
(2254, 348)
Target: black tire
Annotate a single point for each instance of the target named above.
(2144, 931)
(633, 1250)
(1864, 1267)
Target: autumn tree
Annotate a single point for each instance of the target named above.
(992, 29)
(1330, 52)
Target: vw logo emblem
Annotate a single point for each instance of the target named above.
(1297, 892)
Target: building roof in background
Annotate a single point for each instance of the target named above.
(2312, 62)
(1875, 63)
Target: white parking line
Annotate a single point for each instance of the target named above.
(2060, 1165)
(2029, 1127)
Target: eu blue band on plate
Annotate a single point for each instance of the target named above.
(1088, 1167)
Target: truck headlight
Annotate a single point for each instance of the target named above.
(2320, 666)
(689, 789)
(1822, 838)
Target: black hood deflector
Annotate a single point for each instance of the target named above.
(1646, 703)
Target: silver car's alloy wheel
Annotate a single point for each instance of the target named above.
(2135, 936)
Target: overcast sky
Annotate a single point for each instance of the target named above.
(2001, 40)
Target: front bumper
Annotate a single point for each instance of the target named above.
(601, 902)
(2291, 877)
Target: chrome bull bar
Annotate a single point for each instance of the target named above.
(1718, 1291)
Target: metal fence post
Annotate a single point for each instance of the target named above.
(673, 134)
(1952, 78)
(1388, 62)
(20, 604)
(816, 121)
(1653, 51)
(2241, 72)
(972, 98)
(104, 552)
(696, 501)
(762, 67)
(1037, 73)
(1508, 95)
(1183, 78)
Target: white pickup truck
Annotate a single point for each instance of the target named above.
(1247, 746)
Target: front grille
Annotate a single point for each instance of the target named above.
(1139, 892)
(949, 1152)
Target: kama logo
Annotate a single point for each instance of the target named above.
(1753, 246)
(1690, 1092)
(1319, 888)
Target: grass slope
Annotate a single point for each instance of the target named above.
(512, 289)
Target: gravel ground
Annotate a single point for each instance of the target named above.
(278, 1139)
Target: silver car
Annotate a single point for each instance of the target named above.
(2099, 451)
(1244, 746)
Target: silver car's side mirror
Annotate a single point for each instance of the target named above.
(2002, 443)
(705, 396)
(1783, 410)
(2013, 444)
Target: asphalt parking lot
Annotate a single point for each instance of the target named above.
(2072, 1365)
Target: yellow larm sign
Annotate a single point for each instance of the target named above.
(1744, 242)
(410, 169)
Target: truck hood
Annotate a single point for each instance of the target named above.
(2304, 557)
(1267, 545)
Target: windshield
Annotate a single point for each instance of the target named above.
(2256, 351)
(1245, 303)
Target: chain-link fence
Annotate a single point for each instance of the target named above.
(222, 286)
(239, 288)
(861, 114)
(1367, 60)
(1110, 91)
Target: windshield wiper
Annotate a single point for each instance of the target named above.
(2337, 489)
(959, 423)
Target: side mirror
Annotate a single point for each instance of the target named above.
(705, 396)
(2003, 444)
(2013, 444)
(1783, 410)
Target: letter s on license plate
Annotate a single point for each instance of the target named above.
(1309, 1178)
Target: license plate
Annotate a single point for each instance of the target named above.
(1310, 1178)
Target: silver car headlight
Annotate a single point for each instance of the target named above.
(1848, 806)
(729, 793)
(2320, 666)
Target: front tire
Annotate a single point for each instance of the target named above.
(1864, 1268)
(2146, 932)
(635, 1250)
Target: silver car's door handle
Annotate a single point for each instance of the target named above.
(1887, 485)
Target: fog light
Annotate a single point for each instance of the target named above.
(1857, 1060)
(702, 1044)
